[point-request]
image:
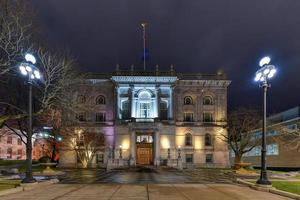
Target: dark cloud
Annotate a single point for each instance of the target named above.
(194, 35)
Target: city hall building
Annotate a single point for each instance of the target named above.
(155, 118)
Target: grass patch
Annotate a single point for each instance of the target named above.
(38, 168)
(288, 186)
(297, 177)
(8, 184)
(11, 162)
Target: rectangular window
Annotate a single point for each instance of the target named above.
(272, 133)
(292, 126)
(188, 117)
(163, 110)
(189, 158)
(272, 149)
(145, 110)
(9, 140)
(100, 117)
(19, 141)
(125, 110)
(209, 158)
(81, 117)
(100, 158)
(20, 151)
(9, 153)
(208, 117)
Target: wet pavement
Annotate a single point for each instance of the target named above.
(144, 175)
(142, 192)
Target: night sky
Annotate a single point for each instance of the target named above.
(193, 35)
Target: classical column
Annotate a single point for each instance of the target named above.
(118, 101)
(158, 101)
(170, 109)
(157, 149)
(133, 148)
(133, 107)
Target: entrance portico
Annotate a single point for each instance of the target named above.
(144, 146)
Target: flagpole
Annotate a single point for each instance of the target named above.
(144, 43)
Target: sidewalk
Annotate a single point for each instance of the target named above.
(143, 192)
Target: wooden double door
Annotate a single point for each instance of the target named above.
(144, 154)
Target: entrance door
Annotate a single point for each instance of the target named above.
(144, 156)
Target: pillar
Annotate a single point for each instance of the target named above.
(133, 149)
(157, 149)
(170, 109)
(133, 106)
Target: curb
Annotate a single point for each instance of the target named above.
(28, 187)
(268, 189)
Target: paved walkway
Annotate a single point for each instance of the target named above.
(146, 176)
(143, 192)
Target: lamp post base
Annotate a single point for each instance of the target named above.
(28, 180)
(263, 180)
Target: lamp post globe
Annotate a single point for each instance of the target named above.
(263, 75)
(29, 70)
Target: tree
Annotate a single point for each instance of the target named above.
(240, 137)
(84, 142)
(16, 31)
(290, 138)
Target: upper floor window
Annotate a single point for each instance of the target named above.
(19, 141)
(100, 100)
(208, 139)
(81, 116)
(207, 117)
(9, 140)
(163, 110)
(125, 109)
(188, 117)
(207, 100)
(188, 100)
(100, 117)
(81, 99)
(145, 105)
(188, 139)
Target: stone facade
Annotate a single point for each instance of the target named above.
(155, 118)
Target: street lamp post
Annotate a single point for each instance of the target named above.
(28, 69)
(262, 76)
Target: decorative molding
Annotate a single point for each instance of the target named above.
(144, 79)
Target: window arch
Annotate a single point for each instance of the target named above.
(188, 100)
(100, 100)
(207, 100)
(208, 141)
(188, 139)
(81, 99)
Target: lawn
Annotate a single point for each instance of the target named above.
(11, 162)
(8, 184)
(288, 186)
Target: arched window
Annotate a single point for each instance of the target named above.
(100, 100)
(188, 100)
(188, 139)
(208, 139)
(81, 99)
(145, 105)
(207, 100)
